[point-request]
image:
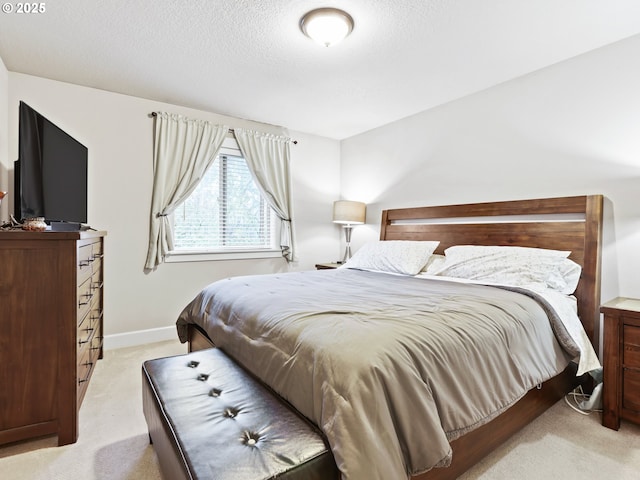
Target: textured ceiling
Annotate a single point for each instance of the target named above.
(248, 58)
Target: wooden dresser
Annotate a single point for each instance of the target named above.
(51, 330)
(621, 397)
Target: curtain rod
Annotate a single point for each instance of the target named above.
(155, 114)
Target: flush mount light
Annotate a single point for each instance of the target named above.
(327, 26)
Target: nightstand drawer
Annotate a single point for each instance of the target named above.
(631, 354)
(631, 389)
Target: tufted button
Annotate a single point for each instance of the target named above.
(231, 412)
(215, 392)
(193, 364)
(203, 377)
(250, 438)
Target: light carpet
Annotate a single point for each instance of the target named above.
(113, 442)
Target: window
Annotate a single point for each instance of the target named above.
(226, 213)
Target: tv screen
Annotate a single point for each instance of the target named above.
(51, 172)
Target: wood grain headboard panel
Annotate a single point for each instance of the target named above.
(565, 223)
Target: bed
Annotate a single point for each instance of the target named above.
(572, 224)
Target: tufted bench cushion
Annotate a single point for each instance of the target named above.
(209, 419)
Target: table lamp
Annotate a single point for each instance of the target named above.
(348, 213)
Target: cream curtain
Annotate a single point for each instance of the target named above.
(267, 156)
(183, 150)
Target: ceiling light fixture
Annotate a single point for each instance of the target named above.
(327, 26)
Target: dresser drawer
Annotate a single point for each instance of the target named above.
(631, 354)
(96, 307)
(85, 335)
(96, 268)
(96, 249)
(85, 257)
(89, 352)
(90, 255)
(95, 350)
(96, 285)
(84, 370)
(631, 389)
(84, 367)
(96, 343)
(85, 295)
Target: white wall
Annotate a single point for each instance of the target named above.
(117, 131)
(569, 129)
(4, 144)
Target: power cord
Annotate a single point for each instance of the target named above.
(576, 398)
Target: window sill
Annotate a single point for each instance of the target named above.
(205, 256)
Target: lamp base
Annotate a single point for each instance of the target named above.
(347, 249)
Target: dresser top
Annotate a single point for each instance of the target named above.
(19, 234)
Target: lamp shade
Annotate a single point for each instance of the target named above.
(351, 213)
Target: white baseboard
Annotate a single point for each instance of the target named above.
(139, 337)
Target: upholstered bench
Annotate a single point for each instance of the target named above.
(210, 419)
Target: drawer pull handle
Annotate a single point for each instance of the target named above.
(96, 286)
(97, 255)
(88, 330)
(85, 263)
(86, 378)
(88, 297)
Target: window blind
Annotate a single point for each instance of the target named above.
(225, 212)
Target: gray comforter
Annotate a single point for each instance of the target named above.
(391, 368)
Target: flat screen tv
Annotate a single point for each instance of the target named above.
(50, 173)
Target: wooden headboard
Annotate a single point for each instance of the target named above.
(566, 223)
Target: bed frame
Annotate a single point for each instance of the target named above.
(567, 223)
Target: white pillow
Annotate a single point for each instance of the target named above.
(393, 256)
(517, 266)
(434, 264)
(565, 279)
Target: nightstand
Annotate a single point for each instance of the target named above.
(621, 399)
(327, 266)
